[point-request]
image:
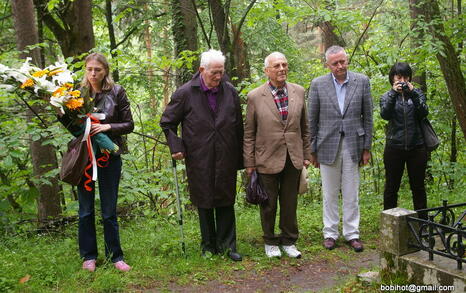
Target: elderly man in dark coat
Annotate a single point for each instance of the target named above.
(209, 111)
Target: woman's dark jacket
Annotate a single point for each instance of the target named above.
(115, 105)
(404, 116)
(212, 142)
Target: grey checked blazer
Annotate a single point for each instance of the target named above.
(327, 123)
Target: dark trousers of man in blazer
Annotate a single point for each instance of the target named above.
(281, 187)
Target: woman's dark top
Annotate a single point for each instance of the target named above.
(404, 111)
(115, 105)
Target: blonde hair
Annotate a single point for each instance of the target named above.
(107, 82)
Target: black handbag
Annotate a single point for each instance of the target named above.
(74, 161)
(255, 192)
(431, 139)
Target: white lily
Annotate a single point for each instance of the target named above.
(44, 84)
(26, 67)
(17, 75)
(7, 87)
(59, 101)
(3, 69)
(56, 101)
(63, 77)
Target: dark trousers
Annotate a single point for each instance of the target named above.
(416, 163)
(281, 187)
(109, 179)
(218, 230)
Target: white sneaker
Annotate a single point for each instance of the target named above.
(291, 251)
(272, 251)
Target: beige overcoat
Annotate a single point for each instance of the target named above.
(267, 138)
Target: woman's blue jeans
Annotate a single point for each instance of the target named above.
(109, 179)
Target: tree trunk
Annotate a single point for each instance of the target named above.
(75, 33)
(220, 25)
(453, 145)
(166, 75)
(150, 69)
(111, 36)
(184, 33)
(44, 159)
(43, 156)
(450, 64)
(453, 151)
(40, 36)
(223, 36)
(416, 7)
(237, 65)
(26, 29)
(329, 37)
(240, 49)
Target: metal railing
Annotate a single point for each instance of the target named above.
(443, 226)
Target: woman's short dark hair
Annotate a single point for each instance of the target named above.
(400, 68)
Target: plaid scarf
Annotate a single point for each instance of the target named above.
(280, 96)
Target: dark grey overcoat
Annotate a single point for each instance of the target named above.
(212, 142)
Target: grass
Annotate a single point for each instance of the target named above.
(152, 247)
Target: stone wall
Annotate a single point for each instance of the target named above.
(400, 262)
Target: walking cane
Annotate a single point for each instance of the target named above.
(178, 207)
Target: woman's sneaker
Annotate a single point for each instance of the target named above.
(291, 251)
(272, 251)
(89, 265)
(122, 266)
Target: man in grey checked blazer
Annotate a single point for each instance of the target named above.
(340, 116)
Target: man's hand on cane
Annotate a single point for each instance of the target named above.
(178, 156)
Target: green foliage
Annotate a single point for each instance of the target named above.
(152, 247)
(150, 237)
(286, 26)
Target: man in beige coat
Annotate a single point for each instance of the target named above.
(277, 146)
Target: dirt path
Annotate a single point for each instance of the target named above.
(321, 272)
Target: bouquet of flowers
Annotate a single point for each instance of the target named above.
(56, 83)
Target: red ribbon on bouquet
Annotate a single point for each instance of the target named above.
(101, 162)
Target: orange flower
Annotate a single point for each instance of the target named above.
(40, 73)
(27, 83)
(74, 104)
(56, 71)
(59, 91)
(68, 85)
(75, 93)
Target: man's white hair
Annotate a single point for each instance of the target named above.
(274, 54)
(210, 56)
(334, 50)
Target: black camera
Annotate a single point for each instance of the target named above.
(404, 86)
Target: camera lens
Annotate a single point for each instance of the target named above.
(404, 86)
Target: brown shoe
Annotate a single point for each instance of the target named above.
(356, 244)
(329, 243)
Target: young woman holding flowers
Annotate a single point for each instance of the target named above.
(111, 100)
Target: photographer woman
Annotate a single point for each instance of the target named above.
(111, 100)
(404, 107)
